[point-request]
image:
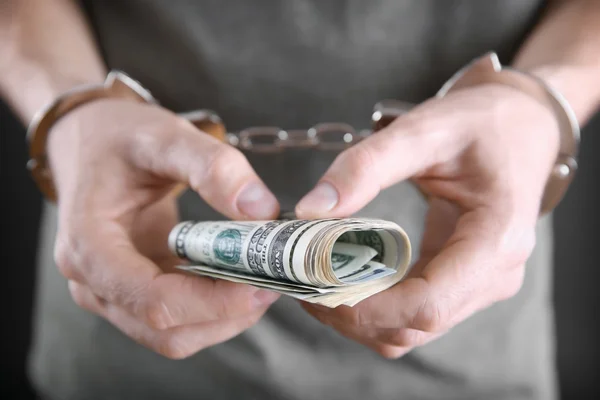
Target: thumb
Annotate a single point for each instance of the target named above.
(219, 173)
(407, 147)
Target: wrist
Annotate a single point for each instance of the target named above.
(62, 149)
(27, 87)
(487, 69)
(580, 86)
(116, 85)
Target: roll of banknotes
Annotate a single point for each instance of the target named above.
(329, 261)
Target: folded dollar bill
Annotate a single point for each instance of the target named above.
(328, 261)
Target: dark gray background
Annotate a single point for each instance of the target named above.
(576, 277)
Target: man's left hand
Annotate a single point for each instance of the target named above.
(483, 156)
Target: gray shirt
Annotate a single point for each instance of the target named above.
(293, 64)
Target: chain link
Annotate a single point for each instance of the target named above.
(271, 139)
(330, 136)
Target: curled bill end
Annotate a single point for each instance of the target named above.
(328, 261)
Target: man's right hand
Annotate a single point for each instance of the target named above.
(114, 164)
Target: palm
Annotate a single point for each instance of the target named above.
(150, 231)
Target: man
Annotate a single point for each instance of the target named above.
(482, 155)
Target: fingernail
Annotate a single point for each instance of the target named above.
(256, 201)
(320, 200)
(265, 297)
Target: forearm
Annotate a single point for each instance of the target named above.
(564, 50)
(46, 47)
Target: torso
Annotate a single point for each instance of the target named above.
(293, 64)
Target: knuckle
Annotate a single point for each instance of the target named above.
(158, 144)
(512, 286)
(390, 352)
(403, 337)
(527, 244)
(148, 143)
(175, 347)
(84, 298)
(65, 250)
(353, 317)
(158, 315)
(111, 288)
(358, 161)
(360, 319)
(431, 316)
(77, 296)
(517, 250)
(218, 167)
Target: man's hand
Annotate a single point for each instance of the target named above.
(483, 156)
(114, 164)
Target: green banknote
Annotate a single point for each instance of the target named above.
(328, 261)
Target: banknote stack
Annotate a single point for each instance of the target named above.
(329, 262)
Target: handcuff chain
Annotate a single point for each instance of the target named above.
(270, 139)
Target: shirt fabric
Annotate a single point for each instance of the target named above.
(293, 64)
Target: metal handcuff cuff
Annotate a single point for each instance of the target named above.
(325, 136)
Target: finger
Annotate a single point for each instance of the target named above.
(393, 308)
(85, 298)
(403, 337)
(481, 263)
(109, 264)
(179, 342)
(151, 228)
(390, 343)
(440, 224)
(182, 341)
(219, 173)
(394, 351)
(385, 350)
(414, 142)
(388, 351)
(360, 336)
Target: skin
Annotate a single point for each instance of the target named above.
(467, 151)
(484, 201)
(484, 178)
(111, 243)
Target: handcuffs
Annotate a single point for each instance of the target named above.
(485, 69)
